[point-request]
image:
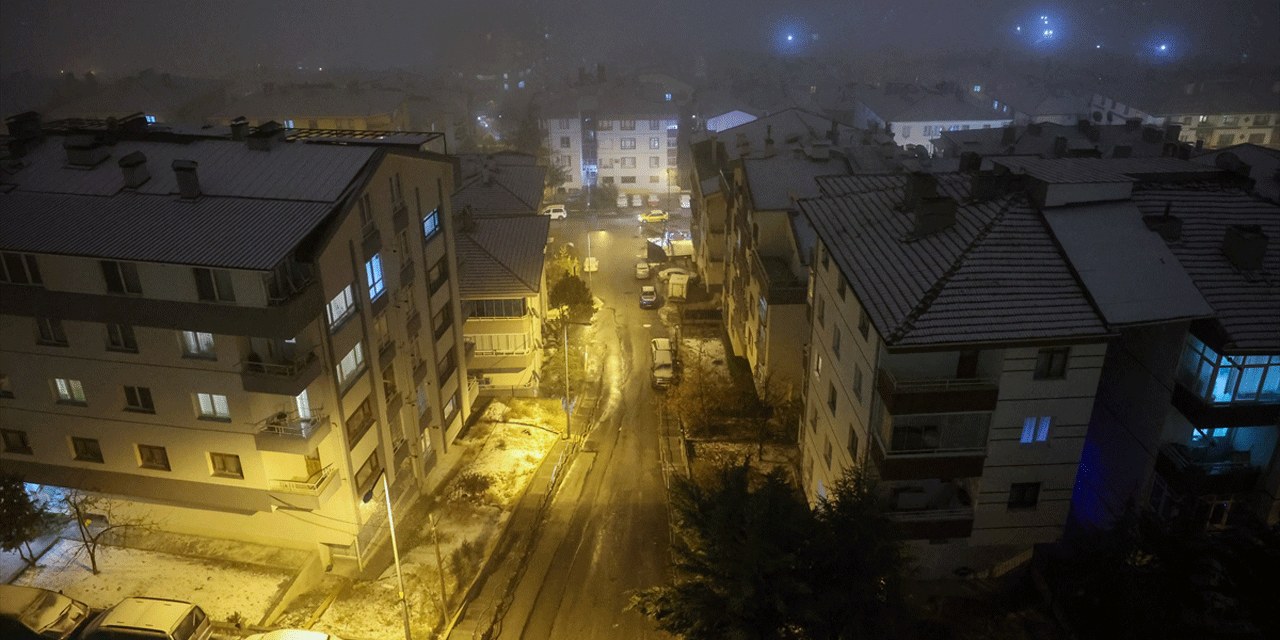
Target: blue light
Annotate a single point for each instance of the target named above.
(790, 37)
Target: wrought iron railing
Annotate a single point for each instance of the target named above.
(292, 424)
(310, 487)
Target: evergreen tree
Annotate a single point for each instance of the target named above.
(22, 519)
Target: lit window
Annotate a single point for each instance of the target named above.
(69, 390)
(431, 223)
(288, 124)
(373, 271)
(150, 119)
(341, 306)
(627, 143)
(1035, 429)
(655, 143)
(352, 364)
(977, 88)
(213, 406)
(197, 345)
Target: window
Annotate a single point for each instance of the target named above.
(422, 399)
(864, 324)
(51, 332)
(69, 391)
(1051, 363)
(655, 162)
(16, 441)
(19, 268)
(138, 399)
(361, 419)
(628, 162)
(835, 341)
(826, 260)
(817, 364)
(853, 442)
(120, 338)
(499, 308)
(1035, 429)
(397, 191)
(1024, 495)
(1225, 139)
(226, 465)
(86, 449)
(352, 364)
(826, 454)
(655, 180)
(1257, 138)
(906, 131)
(121, 277)
(822, 312)
(373, 272)
(151, 457)
(211, 406)
(442, 320)
(447, 364)
(1230, 121)
(214, 285)
(451, 408)
(431, 223)
(564, 124)
(606, 180)
(841, 287)
(813, 420)
(654, 125)
(197, 345)
(368, 472)
(831, 397)
(565, 143)
(857, 381)
(628, 179)
(655, 143)
(605, 125)
(627, 143)
(1224, 379)
(438, 274)
(366, 214)
(6, 387)
(627, 125)
(341, 307)
(1263, 120)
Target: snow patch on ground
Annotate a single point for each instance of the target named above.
(221, 588)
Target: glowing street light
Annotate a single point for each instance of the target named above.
(395, 549)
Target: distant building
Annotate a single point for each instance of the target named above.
(233, 330)
(322, 105)
(1082, 139)
(917, 115)
(1213, 113)
(160, 97)
(1038, 104)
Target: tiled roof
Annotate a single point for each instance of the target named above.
(502, 256)
(1039, 140)
(1041, 101)
(1247, 304)
(994, 276)
(515, 187)
(787, 127)
(775, 180)
(955, 185)
(1087, 170)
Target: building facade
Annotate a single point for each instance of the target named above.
(231, 332)
(629, 143)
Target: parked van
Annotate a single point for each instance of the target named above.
(677, 287)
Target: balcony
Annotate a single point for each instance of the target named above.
(307, 494)
(777, 283)
(288, 432)
(942, 395)
(1205, 470)
(930, 446)
(931, 509)
(280, 377)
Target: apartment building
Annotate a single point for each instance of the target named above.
(501, 258)
(230, 331)
(961, 323)
(615, 138)
(1082, 139)
(918, 115)
(320, 105)
(1214, 113)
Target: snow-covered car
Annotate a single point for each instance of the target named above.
(32, 612)
(622, 200)
(591, 264)
(555, 211)
(662, 371)
(292, 634)
(666, 274)
(642, 270)
(154, 618)
(648, 297)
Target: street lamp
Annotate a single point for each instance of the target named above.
(395, 549)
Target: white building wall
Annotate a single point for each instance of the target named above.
(921, 133)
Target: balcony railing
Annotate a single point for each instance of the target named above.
(289, 432)
(287, 281)
(312, 486)
(281, 377)
(283, 369)
(936, 395)
(1202, 471)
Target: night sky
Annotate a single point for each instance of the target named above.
(209, 38)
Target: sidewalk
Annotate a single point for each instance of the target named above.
(490, 593)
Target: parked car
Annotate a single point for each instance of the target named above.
(666, 274)
(292, 634)
(653, 215)
(662, 371)
(556, 211)
(677, 287)
(152, 618)
(622, 200)
(31, 612)
(648, 297)
(637, 200)
(642, 270)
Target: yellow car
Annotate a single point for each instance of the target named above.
(654, 215)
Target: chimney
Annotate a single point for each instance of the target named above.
(239, 128)
(1059, 146)
(985, 185)
(1199, 144)
(933, 215)
(1034, 128)
(1245, 245)
(1168, 225)
(744, 145)
(970, 162)
(601, 76)
(833, 134)
(1172, 132)
(24, 132)
(1008, 136)
(1132, 124)
(1121, 151)
(768, 140)
(188, 182)
(134, 166)
(1152, 135)
(819, 150)
(919, 186)
(266, 136)
(85, 151)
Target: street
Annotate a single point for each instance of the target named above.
(606, 531)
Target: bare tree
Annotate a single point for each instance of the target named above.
(701, 396)
(770, 412)
(98, 521)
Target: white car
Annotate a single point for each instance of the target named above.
(622, 200)
(642, 271)
(292, 634)
(556, 211)
(663, 367)
(591, 264)
(34, 612)
(666, 274)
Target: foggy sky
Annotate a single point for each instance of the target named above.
(212, 37)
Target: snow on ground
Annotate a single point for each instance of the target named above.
(710, 455)
(711, 349)
(467, 529)
(221, 588)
